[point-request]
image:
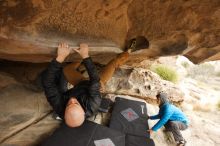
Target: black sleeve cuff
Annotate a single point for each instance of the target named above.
(86, 60)
(56, 63)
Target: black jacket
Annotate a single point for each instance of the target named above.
(87, 91)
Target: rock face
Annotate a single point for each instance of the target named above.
(30, 30)
(195, 23)
(25, 117)
(142, 83)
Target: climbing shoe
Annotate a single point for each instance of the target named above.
(138, 43)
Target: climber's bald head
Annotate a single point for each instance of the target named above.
(74, 113)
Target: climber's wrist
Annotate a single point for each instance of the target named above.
(85, 56)
(60, 59)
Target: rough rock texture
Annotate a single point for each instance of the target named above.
(142, 83)
(194, 22)
(31, 29)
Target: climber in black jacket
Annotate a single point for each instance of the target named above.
(82, 101)
(79, 102)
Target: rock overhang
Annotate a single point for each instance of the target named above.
(31, 30)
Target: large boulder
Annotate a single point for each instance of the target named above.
(31, 29)
(20, 107)
(142, 83)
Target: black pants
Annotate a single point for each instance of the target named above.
(175, 127)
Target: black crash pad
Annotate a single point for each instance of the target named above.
(86, 135)
(138, 122)
(138, 141)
